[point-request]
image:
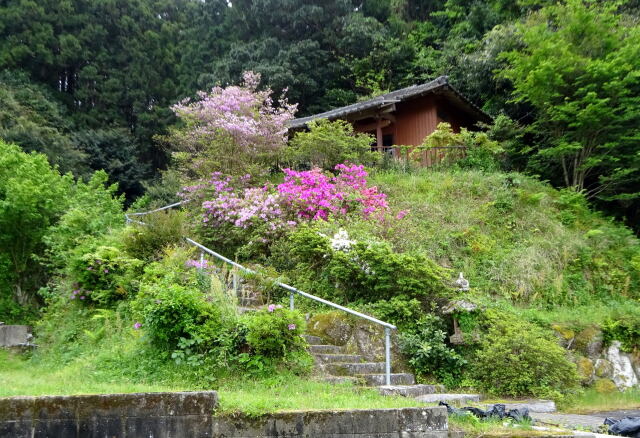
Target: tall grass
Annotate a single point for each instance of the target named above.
(592, 401)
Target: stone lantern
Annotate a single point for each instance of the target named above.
(457, 338)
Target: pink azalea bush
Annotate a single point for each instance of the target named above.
(228, 201)
(315, 195)
(234, 213)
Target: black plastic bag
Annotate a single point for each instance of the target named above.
(495, 411)
(628, 426)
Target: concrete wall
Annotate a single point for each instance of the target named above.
(14, 335)
(379, 423)
(190, 415)
(150, 415)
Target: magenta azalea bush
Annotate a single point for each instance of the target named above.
(315, 195)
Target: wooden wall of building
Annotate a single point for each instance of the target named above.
(416, 119)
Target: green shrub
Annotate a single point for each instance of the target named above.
(187, 313)
(366, 272)
(175, 312)
(399, 310)
(104, 275)
(479, 158)
(329, 143)
(375, 272)
(519, 359)
(162, 229)
(94, 210)
(624, 328)
(275, 332)
(482, 152)
(426, 350)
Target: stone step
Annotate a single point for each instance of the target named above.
(350, 369)
(242, 309)
(543, 406)
(325, 349)
(449, 398)
(249, 301)
(410, 390)
(331, 358)
(341, 379)
(314, 340)
(396, 379)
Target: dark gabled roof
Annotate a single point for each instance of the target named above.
(440, 85)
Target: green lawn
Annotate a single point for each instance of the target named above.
(21, 377)
(281, 392)
(287, 393)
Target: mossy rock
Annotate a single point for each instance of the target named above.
(605, 386)
(589, 342)
(564, 333)
(334, 327)
(603, 368)
(585, 370)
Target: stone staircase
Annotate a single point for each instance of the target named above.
(337, 366)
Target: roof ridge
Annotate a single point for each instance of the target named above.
(395, 96)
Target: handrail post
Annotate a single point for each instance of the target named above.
(201, 261)
(291, 300)
(387, 348)
(235, 281)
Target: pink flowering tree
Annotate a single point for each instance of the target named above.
(236, 130)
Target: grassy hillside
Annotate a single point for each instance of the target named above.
(514, 237)
(130, 310)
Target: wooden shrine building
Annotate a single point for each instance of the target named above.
(406, 116)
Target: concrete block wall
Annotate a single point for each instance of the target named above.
(192, 415)
(14, 335)
(151, 415)
(381, 423)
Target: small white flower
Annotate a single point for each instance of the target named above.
(341, 242)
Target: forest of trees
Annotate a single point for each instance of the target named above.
(91, 83)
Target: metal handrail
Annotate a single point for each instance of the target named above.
(166, 207)
(292, 290)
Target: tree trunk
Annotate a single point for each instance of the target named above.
(20, 295)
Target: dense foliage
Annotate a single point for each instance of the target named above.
(113, 85)
(33, 196)
(425, 346)
(579, 71)
(530, 361)
(111, 71)
(327, 144)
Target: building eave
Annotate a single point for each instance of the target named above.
(439, 85)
